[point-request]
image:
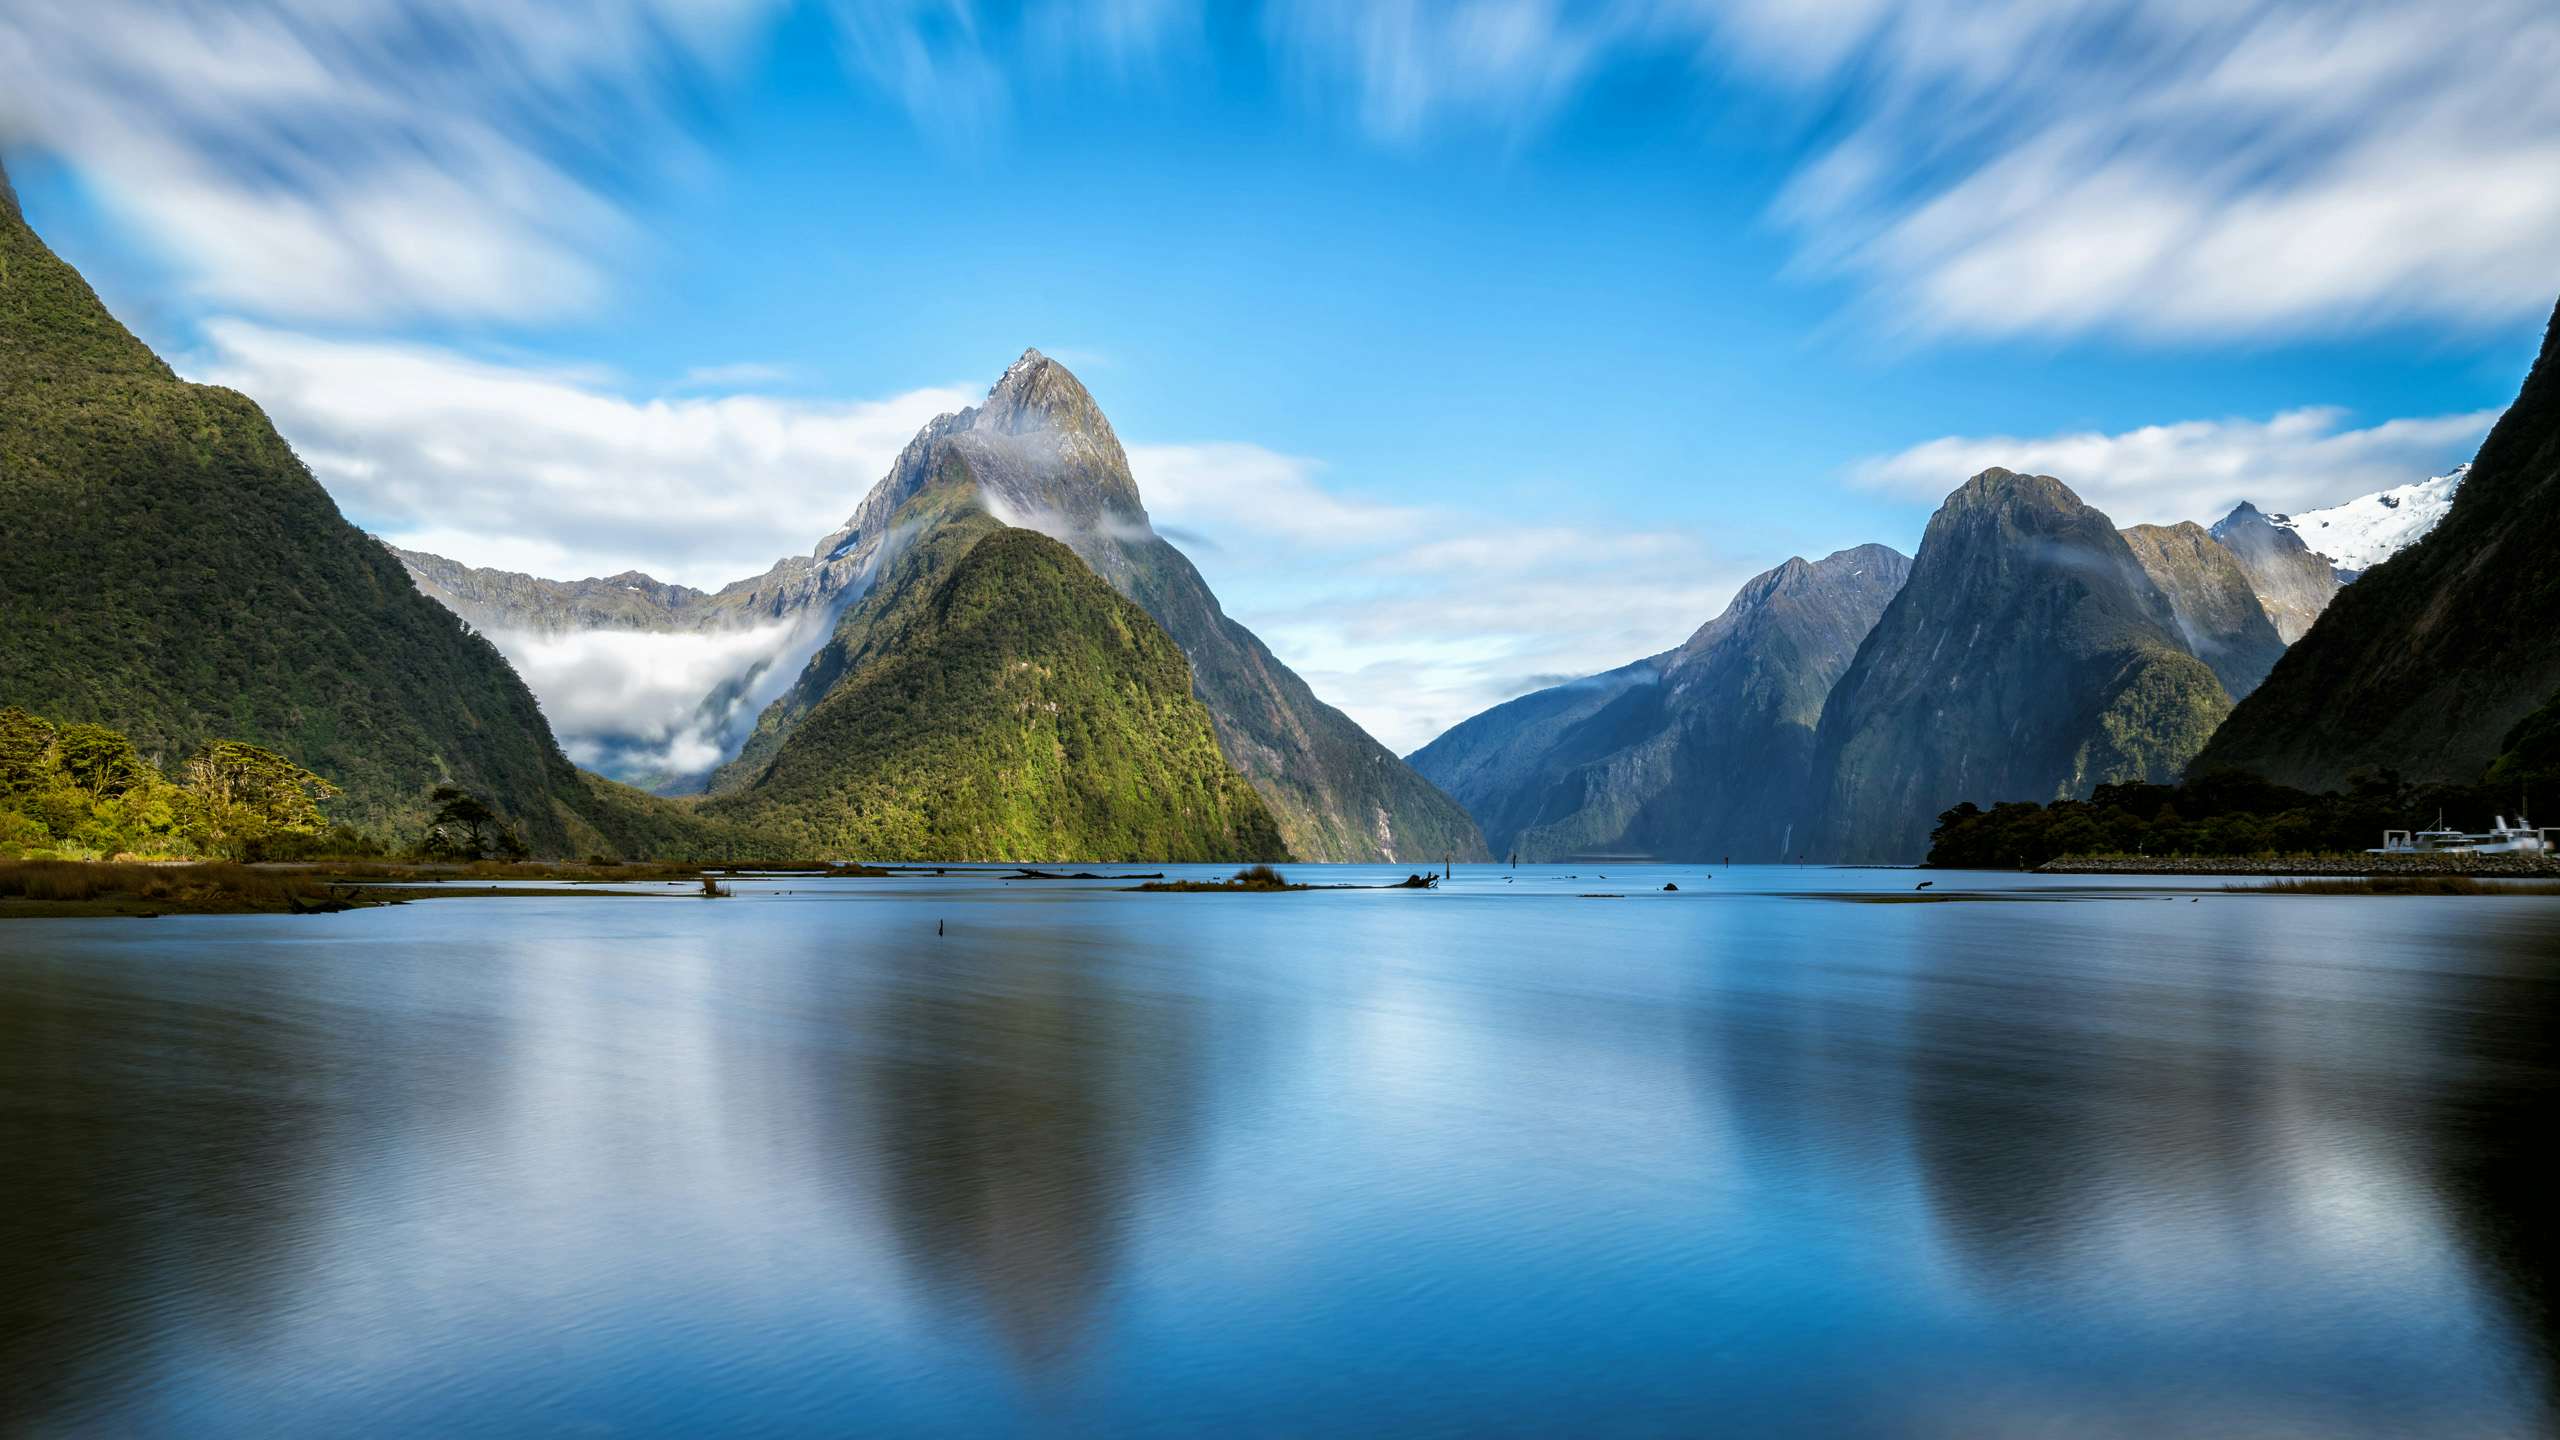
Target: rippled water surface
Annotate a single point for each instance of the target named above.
(1497, 1159)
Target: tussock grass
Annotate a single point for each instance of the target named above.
(187, 886)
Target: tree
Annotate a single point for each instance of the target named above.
(100, 761)
(243, 795)
(283, 795)
(26, 752)
(465, 828)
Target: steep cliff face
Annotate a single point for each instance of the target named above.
(1040, 455)
(2430, 659)
(2292, 584)
(2217, 610)
(169, 568)
(1003, 703)
(1701, 752)
(2028, 656)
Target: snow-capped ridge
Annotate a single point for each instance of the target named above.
(2362, 533)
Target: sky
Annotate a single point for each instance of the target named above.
(1466, 345)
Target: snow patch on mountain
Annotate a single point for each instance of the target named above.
(2364, 532)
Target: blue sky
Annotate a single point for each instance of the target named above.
(1469, 344)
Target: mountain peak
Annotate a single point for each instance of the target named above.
(1997, 487)
(1037, 393)
(2241, 514)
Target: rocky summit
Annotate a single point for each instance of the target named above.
(2029, 656)
(2292, 584)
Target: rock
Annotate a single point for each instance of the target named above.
(2029, 657)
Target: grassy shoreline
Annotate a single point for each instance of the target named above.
(37, 889)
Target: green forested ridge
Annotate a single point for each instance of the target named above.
(998, 700)
(2226, 814)
(172, 570)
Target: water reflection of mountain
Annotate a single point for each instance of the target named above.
(1024, 1098)
(2266, 1132)
(2490, 1133)
(162, 1128)
(2060, 1103)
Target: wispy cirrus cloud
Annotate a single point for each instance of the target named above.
(2199, 469)
(365, 159)
(955, 66)
(2190, 169)
(555, 472)
(377, 161)
(2215, 170)
(1413, 617)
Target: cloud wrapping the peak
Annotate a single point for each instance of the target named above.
(2198, 469)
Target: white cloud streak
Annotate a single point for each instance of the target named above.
(1412, 618)
(2165, 169)
(553, 473)
(2178, 170)
(364, 159)
(2198, 469)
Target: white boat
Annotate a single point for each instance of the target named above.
(2521, 838)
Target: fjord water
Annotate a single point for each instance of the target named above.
(1496, 1159)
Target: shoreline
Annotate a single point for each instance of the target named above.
(2340, 866)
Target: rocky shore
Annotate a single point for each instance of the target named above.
(2477, 865)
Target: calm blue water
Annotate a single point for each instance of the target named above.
(1494, 1160)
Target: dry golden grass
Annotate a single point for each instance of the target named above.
(180, 886)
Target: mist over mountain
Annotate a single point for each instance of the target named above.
(2030, 655)
(649, 682)
(1700, 752)
(2292, 584)
(2211, 598)
(1040, 454)
(683, 688)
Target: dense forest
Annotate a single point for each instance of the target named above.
(85, 792)
(170, 570)
(2231, 814)
(1000, 701)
